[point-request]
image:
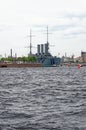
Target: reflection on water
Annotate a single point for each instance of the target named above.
(43, 98)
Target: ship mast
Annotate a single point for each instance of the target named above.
(30, 46)
(47, 38)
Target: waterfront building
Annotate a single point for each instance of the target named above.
(83, 56)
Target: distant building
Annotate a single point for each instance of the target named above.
(78, 59)
(83, 56)
(66, 59)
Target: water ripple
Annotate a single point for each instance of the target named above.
(43, 98)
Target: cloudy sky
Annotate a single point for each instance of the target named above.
(66, 20)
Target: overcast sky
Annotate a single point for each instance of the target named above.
(66, 20)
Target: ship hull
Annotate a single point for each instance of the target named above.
(7, 65)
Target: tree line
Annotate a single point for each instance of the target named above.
(19, 59)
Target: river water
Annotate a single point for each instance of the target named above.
(43, 98)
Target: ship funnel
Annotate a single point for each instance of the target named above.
(46, 48)
(38, 49)
(42, 48)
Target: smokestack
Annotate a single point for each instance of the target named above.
(42, 49)
(11, 53)
(38, 49)
(46, 48)
(15, 55)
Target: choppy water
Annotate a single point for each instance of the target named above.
(43, 98)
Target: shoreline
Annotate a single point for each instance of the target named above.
(19, 65)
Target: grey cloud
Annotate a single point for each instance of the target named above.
(4, 27)
(74, 34)
(80, 16)
(62, 27)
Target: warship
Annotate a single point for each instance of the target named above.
(43, 57)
